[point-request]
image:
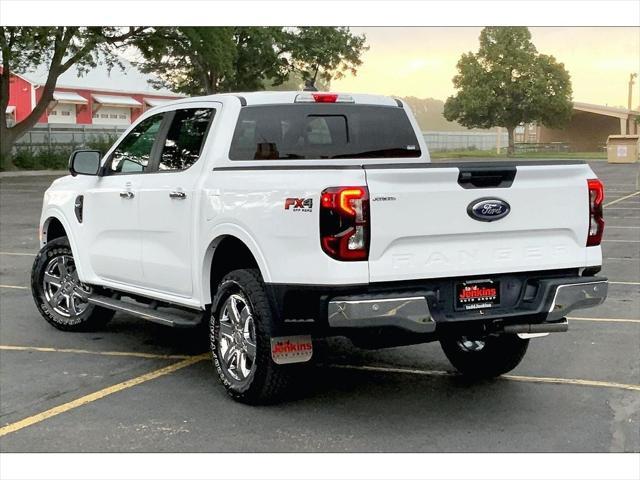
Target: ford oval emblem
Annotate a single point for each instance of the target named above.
(488, 209)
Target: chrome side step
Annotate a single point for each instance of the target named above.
(147, 312)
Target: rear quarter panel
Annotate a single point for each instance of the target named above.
(285, 241)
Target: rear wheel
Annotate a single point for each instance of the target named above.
(240, 339)
(60, 296)
(484, 357)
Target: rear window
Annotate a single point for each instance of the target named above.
(317, 131)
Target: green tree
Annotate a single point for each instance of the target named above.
(207, 60)
(26, 48)
(189, 60)
(508, 83)
(325, 53)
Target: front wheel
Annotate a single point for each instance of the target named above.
(60, 296)
(240, 340)
(484, 357)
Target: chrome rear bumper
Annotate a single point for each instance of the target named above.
(412, 313)
(576, 296)
(408, 312)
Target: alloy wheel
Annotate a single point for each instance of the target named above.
(237, 338)
(471, 344)
(63, 291)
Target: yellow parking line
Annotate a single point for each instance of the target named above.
(22, 348)
(16, 287)
(614, 320)
(515, 378)
(621, 199)
(92, 397)
(574, 381)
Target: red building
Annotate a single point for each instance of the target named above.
(98, 97)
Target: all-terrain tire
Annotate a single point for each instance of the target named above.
(268, 381)
(91, 317)
(499, 354)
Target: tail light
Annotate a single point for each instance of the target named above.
(596, 220)
(344, 223)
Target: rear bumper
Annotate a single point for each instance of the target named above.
(575, 296)
(424, 312)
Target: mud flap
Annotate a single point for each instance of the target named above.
(291, 349)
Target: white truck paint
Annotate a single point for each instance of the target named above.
(153, 245)
(276, 171)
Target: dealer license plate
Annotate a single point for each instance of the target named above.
(474, 295)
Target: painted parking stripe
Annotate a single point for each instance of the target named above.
(514, 378)
(624, 283)
(620, 226)
(20, 254)
(16, 287)
(596, 319)
(622, 241)
(92, 397)
(23, 348)
(621, 199)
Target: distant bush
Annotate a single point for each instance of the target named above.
(57, 156)
(53, 159)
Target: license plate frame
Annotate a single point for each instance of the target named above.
(476, 294)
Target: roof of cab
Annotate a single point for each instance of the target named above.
(270, 98)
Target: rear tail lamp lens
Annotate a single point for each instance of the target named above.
(344, 223)
(596, 219)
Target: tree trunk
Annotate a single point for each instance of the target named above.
(9, 135)
(511, 149)
(7, 139)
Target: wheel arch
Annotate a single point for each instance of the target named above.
(55, 226)
(52, 228)
(228, 251)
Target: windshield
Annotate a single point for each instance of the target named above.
(318, 131)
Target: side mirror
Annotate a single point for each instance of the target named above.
(85, 162)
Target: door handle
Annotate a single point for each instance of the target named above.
(178, 194)
(127, 194)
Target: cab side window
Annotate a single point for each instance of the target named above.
(134, 152)
(185, 138)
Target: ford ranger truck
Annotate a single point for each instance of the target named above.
(280, 218)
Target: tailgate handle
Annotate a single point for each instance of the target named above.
(486, 177)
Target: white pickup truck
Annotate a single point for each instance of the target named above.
(278, 218)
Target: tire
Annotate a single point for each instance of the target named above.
(485, 357)
(59, 294)
(253, 378)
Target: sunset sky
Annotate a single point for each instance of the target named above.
(421, 61)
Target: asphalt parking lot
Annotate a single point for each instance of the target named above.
(137, 386)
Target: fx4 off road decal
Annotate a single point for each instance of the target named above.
(293, 349)
(299, 204)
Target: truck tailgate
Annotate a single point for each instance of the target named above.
(420, 226)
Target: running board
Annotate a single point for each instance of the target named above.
(146, 312)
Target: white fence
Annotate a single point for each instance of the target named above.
(441, 141)
(60, 136)
(43, 137)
